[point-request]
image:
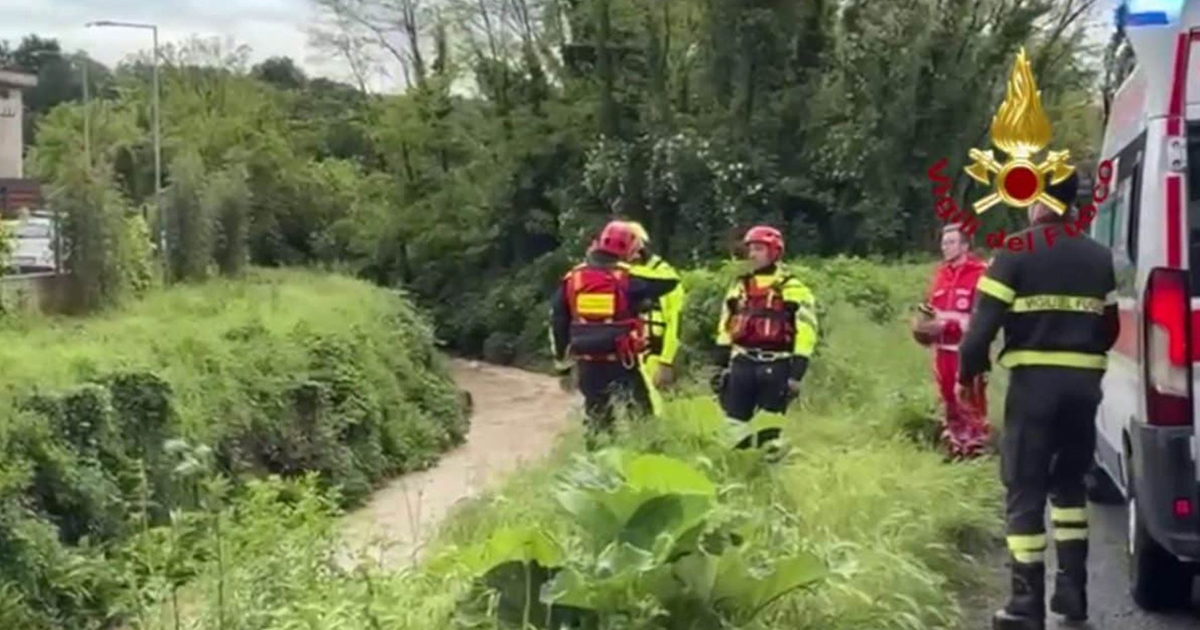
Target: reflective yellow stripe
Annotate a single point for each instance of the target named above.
(1070, 533)
(596, 304)
(806, 340)
(1068, 303)
(1046, 357)
(1029, 557)
(996, 289)
(1031, 542)
(1111, 297)
(1068, 515)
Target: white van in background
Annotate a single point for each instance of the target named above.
(1147, 422)
(33, 243)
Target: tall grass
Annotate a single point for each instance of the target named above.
(115, 430)
(863, 488)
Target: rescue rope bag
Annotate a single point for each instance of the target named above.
(603, 324)
(760, 318)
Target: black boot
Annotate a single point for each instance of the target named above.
(1070, 583)
(1026, 609)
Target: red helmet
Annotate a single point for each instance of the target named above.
(617, 238)
(768, 236)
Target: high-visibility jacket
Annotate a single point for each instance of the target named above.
(951, 295)
(1056, 303)
(797, 303)
(662, 315)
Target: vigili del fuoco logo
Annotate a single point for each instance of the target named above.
(1020, 129)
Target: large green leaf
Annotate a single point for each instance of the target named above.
(737, 587)
(592, 511)
(666, 475)
(659, 495)
(672, 515)
(513, 544)
(569, 588)
(768, 420)
(623, 560)
(620, 571)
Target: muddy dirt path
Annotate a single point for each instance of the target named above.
(517, 417)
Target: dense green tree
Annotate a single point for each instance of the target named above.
(523, 126)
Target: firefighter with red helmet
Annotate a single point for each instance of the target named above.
(596, 325)
(947, 309)
(766, 334)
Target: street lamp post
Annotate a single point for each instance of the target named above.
(162, 233)
(87, 126)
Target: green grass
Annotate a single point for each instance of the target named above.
(899, 528)
(186, 332)
(279, 373)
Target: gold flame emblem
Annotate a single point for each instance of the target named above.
(1021, 129)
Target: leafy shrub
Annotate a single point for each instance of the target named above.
(227, 199)
(136, 256)
(190, 228)
(100, 248)
(653, 548)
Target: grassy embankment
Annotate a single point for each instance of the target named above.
(119, 433)
(864, 516)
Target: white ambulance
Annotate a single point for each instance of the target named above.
(1147, 423)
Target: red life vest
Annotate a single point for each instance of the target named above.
(760, 318)
(604, 326)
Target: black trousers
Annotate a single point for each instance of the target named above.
(755, 385)
(606, 384)
(1049, 438)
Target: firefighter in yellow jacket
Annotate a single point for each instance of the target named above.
(766, 335)
(594, 324)
(661, 316)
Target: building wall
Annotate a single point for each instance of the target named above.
(11, 139)
(46, 293)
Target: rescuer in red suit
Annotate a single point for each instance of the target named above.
(945, 315)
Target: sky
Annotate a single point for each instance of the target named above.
(268, 27)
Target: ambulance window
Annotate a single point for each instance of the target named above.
(1125, 196)
(1135, 204)
(1103, 230)
(1119, 206)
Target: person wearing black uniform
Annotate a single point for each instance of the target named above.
(1056, 304)
(595, 324)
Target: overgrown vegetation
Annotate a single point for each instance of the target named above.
(863, 526)
(698, 118)
(119, 434)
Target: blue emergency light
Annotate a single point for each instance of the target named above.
(1135, 13)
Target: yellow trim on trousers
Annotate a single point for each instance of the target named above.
(648, 369)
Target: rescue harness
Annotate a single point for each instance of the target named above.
(760, 319)
(604, 325)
